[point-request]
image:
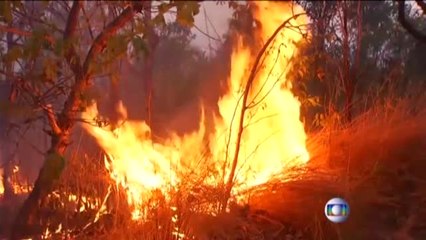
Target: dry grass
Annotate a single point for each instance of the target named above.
(376, 163)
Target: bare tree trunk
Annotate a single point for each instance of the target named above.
(349, 76)
(148, 63)
(323, 18)
(358, 48)
(346, 74)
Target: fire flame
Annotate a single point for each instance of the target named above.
(273, 137)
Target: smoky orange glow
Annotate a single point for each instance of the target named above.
(273, 138)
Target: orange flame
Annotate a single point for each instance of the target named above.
(273, 137)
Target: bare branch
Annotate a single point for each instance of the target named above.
(244, 107)
(206, 34)
(89, 27)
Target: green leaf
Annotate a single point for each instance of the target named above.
(139, 28)
(116, 47)
(93, 67)
(35, 43)
(53, 167)
(139, 46)
(6, 11)
(164, 7)
(49, 69)
(45, 3)
(138, 43)
(13, 54)
(59, 47)
(159, 20)
(18, 5)
(186, 10)
(16, 111)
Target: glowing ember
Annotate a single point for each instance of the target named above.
(273, 137)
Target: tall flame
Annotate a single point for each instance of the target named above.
(273, 136)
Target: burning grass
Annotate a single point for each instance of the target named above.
(376, 163)
(141, 189)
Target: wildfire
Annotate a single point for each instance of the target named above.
(273, 137)
(18, 186)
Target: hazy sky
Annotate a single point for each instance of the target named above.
(218, 16)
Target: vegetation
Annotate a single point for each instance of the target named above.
(359, 75)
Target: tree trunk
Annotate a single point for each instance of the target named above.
(322, 22)
(350, 72)
(148, 63)
(346, 75)
(48, 175)
(62, 124)
(9, 155)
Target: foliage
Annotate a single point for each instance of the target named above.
(53, 53)
(38, 59)
(388, 57)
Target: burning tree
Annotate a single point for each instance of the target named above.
(68, 71)
(54, 72)
(253, 150)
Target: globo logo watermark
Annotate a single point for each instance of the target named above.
(337, 210)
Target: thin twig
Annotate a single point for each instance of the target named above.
(244, 108)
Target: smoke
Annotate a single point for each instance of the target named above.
(20, 144)
(184, 82)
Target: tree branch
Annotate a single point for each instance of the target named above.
(82, 77)
(20, 32)
(89, 27)
(100, 41)
(407, 26)
(52, 119)
(250, 81)
(71, 55)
